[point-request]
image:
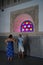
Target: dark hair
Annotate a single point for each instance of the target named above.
(10, 36)
(20, 35)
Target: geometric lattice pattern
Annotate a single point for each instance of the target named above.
(27, 26)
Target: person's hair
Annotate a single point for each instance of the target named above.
(20, 35)
(10, 36)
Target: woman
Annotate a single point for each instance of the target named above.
(10, 49)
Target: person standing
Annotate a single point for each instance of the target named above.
(10, 47)
(20, 46)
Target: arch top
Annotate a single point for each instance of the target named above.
(27, 26)
(18, 22)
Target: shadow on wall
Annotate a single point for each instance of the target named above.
(26, 46)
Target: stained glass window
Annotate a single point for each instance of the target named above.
(27, 26)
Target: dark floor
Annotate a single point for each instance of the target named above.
(26, 61)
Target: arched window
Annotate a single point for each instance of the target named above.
(23, 23)
(27, 26)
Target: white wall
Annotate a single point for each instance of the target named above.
(5, 16)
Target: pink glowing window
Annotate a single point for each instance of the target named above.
(27, 26)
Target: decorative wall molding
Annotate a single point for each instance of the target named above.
(9, 3)
(29, 34)
(32, 11)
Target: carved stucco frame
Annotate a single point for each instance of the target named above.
(32, 11)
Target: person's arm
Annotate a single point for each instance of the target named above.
(7, 40)
(14, 40)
